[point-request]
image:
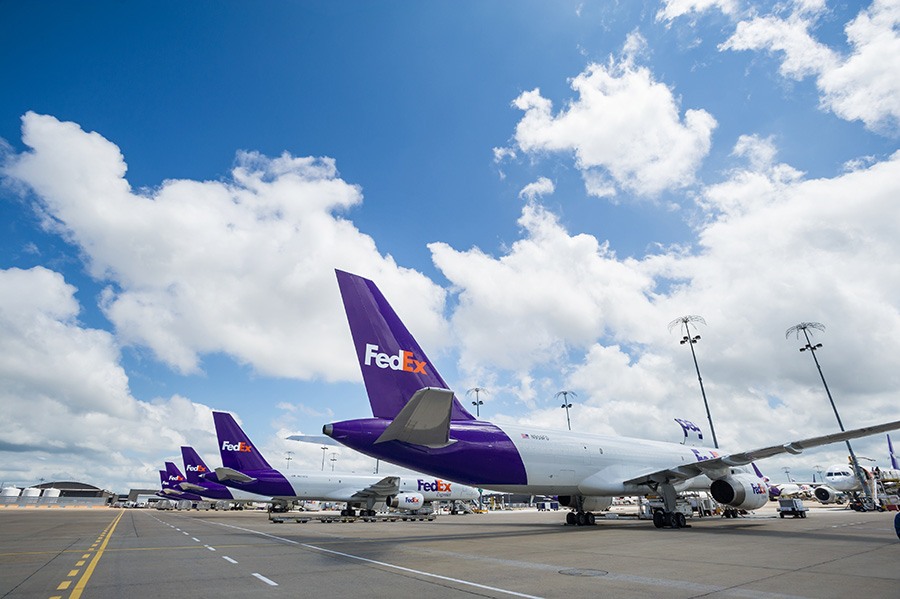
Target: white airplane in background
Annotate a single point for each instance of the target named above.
(839, 478)
(419, 424)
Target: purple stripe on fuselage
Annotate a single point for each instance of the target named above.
(482, 454)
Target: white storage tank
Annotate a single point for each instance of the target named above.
(10, 492)
(50, 493)
(31, 492)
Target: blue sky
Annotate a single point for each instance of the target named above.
(539, 188)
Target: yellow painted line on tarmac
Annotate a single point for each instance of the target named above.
(106, 536)
(73, 573)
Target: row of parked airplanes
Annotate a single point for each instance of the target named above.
(419, 424)
(246, 476)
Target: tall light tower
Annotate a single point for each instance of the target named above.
(566, 404)
(477, 403)
(804, 327)
(324, 449)
(685, 322)
(288, 458)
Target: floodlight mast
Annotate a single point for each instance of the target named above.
(804, 327)
(477, 403)
(686, 322)
(566, 404)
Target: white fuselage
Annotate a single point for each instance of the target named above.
(336, 486)
(570, 463)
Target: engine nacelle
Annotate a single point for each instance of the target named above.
(742, 491)
(590, 504)
(406, 501)
(825, 494)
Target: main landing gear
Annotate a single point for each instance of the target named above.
(664, 519)
(668, 517)
(580, 518)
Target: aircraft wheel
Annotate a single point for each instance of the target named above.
(343, 512)
(679, 520)
(658, 519)
(781, 514)
(570, 518)
(590, 519)
(580, 519)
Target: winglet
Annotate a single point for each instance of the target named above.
(424, 420)
(393, 365)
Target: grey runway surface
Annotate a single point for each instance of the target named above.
(111, 553)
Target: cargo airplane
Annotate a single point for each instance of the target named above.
(419, 424)
(244, 468)
(195, 468)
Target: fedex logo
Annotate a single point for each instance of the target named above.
(438, 486)
(704, 456)
(197, 468)
(758, 489)
(411, 500)
(404, 360)
(175, 478)
(241, 447)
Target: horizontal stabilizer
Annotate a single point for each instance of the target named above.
(232, 474)
(317, 439)
(389, 485)
(192, 487)
(424, 420)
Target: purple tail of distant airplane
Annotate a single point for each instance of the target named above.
(195, 469)
(170, 479)
(895, 461)
(237, 452)
(397, 365)
(175, 475)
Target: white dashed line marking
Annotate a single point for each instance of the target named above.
(266, 580)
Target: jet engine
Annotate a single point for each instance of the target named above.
(742, 491)
(406, 501)
(826, 494)
(589, 504)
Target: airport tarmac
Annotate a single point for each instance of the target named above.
(112, 553)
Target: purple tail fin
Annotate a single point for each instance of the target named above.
(164, 480)
(193, 466)
(174, 474)
(895, 461)
(393, 365)
(235, 447)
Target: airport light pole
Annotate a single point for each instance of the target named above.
(804, 327)
(288, 458)
(324, 449)
(333, 460)
(566, 404)
(686, 322)
(477, 403)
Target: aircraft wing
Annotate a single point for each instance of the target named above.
(389, 485)
(743, 458)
